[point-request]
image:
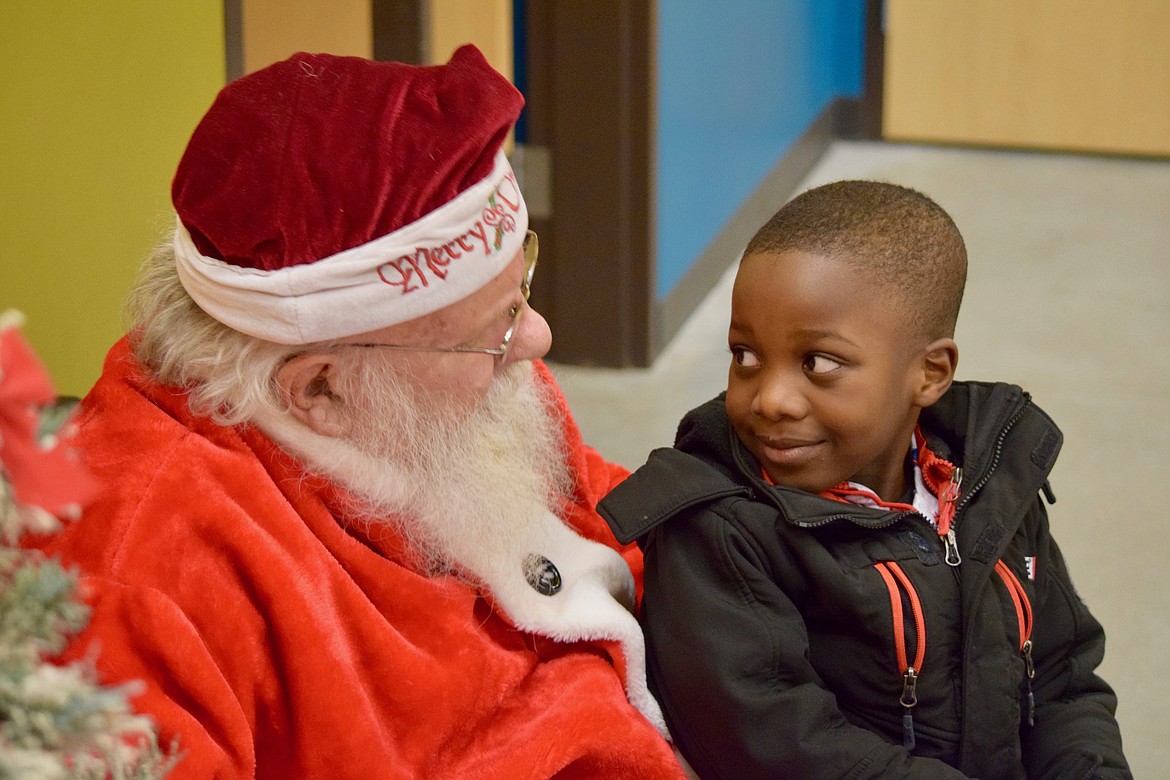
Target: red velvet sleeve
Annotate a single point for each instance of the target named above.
(138, 635)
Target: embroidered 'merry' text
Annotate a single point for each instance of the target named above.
(414, 271)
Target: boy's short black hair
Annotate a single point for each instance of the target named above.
(901, 238)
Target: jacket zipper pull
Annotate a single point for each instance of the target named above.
(1026, 652)
(948, 499)
(952, 547)
(908, 700)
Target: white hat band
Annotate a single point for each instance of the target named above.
(418, 269)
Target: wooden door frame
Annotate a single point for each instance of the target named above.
(870, 107)
(398, 30)
(591, 98)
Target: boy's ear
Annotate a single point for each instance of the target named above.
(305, 382)
(940, 358)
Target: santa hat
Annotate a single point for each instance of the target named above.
(327, 196)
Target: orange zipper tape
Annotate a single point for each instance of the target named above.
(897, 582)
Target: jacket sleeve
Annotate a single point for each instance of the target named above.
(1075, 733)
(728, 657)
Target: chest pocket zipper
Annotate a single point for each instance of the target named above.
(1024, 621)
(897, 582)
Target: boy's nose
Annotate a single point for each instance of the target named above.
(778, 397)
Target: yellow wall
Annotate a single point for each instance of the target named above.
(96, 103)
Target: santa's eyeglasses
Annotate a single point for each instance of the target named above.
(531, 250)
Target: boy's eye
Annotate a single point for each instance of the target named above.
(744, 357)
(820, 364)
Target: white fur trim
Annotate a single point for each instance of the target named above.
(595, 601)
(418, 269)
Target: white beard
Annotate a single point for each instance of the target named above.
(440, 478)
(473, 494)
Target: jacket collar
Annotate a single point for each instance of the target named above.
(969, 426)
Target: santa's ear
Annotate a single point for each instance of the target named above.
(305, 382)
(939, 359)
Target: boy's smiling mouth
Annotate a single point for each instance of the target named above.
(789, 451)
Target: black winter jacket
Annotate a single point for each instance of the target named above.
(773, 626)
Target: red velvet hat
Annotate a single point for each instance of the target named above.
(327, 196)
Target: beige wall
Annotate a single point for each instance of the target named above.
(486, 23)
(97, 101)
(274, 30)
(1077, 75)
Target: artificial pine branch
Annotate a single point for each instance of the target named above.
(56, 721)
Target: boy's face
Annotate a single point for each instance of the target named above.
(824, 380)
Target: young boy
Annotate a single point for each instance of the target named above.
(849, 570)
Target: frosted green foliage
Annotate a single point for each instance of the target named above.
(37, 608)
(56, 721)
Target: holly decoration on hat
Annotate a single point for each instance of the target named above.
(56, 721)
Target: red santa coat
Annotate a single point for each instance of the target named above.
(274, 643)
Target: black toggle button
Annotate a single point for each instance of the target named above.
(542, 575)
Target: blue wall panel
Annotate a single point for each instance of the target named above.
(738, 83)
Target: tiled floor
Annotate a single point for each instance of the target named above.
(1069, 296)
